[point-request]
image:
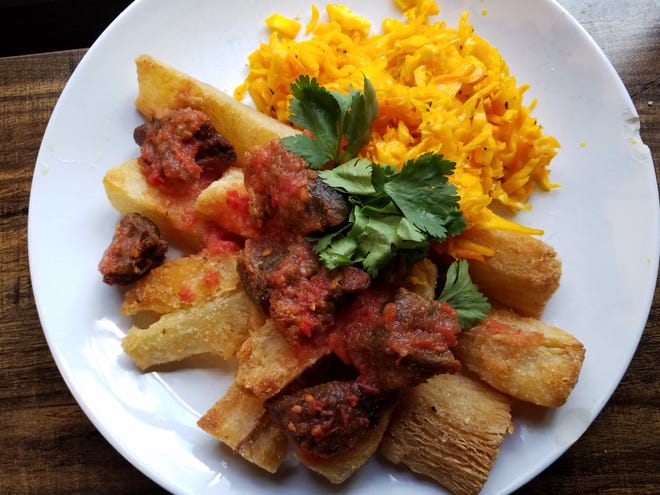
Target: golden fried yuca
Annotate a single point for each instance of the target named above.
(522, 274)
(219, 326)
(266, 446)
(450, 429)
(162, 87)
(267, 362)
(234, 416)
(183, 282)
(422, 279)
(522, 357)
(225, 202)
(128, 191)
(238, 419)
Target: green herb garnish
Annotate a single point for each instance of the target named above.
(395, 213)
(340, 124)
(463, 295)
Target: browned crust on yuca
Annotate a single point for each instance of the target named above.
(162, 87)
(522, 274)
(522, 357)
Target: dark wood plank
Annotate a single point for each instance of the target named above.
(48, 444)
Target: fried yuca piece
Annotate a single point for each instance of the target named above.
(238, 419)
(266, 446)
(225, 202)
(219, 326)
(450, 429)
(522, 357)
(183, 282)
(522, 274)
(128, 191)
(422, 279)
(162, 87)
(267, 362)
(233, 417)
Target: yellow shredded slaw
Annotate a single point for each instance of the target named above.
(439, 89)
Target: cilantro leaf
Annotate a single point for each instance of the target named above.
(378, 231)
(315, 109)
(395, 213)
(340, 124)
(381, 175)
(384, 234)
(307, 148)
(338, 251)
(357, 123)
(352, 177)
(463, 295)
(425, 196)
(377, 234)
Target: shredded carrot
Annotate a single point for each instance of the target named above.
(287, 28)
(439, 89)
(314, 19)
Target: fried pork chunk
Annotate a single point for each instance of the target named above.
(327, 419)
(398, 341)
(285, 277)
(286, 195)
(135, 249)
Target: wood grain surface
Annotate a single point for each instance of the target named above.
(47, 445)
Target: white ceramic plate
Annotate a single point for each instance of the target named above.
(603, 222)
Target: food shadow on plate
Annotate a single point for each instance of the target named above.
(245, 476)
(530, 413)
(206, 361)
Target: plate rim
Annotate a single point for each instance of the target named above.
(62, 365)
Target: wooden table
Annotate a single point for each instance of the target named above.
(47, 445)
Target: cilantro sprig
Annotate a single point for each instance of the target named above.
(340, 124)
(395, 213)
(463, 295)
